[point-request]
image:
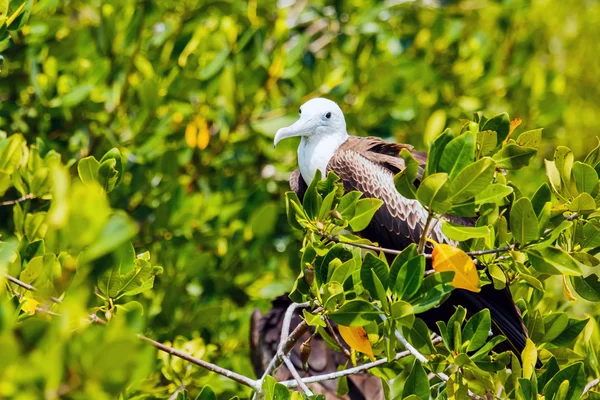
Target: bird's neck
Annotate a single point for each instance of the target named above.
(315, 152)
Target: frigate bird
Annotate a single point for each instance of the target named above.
(369, 164)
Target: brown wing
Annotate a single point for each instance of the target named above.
(369, 165)
(265, 336)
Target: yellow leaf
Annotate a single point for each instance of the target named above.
(529, 357)
(356, 337)
(29, 306)
(203, 133)
(567, 290)
(449, 258)
(514, 124)
(191, 132)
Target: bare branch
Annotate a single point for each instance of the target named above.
(244, 380)
(353, 370)
(425, 233)
(427, 256)
(28, 196)
(590, 386)
(28, 287)
(296, 376)
(180, 389)
(287, 340)
(337, 339)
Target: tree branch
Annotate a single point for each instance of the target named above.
(28, 287)
(423, 237)
(353, 370)
(244, 380)
(28, 196)
(290, 366)
(590, 386)
(337, 339)
(427, 256)
(287, 341)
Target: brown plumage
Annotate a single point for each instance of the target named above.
(265, 334)
(369, 165)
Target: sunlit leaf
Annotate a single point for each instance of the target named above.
(449, 258)
(356, 337)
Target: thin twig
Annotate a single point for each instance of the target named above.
(28, 196)
(287, 340)
(290, 366)
(29, 287)
(337, 339)
(180, 389)
(590, 386)
(353, 370)
(244, 380)
(427, 256)
(425, 233)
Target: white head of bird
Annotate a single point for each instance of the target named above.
(322, 129)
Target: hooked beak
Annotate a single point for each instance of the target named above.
(302, 127)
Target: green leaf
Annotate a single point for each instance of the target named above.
(583, 204)
(88, 170)
(326, 206)
(473, 179)
(115, 154)
(523, 221)
(263, 219)
(365, 209)
(476, 330)
(379, 267)
(433, 291)
(531, 138)
(513, 156)
(586, 177)
(322, 265)
(553, 261)
(206, 394)
(436, 149)
(434, 192)
(410, 277)
(574, 374)
(499, 123)
(409, 252)
(591, 234)
(542, 196)
(118, 230)
(593, 156)
(417, 382)
(494, 193)
(293, 210)
(108, 175)
(355, 313)
(312, 199)
(563, 159)
(348, 203)
(553, 176)
(461, 233)
(571, 332)
(588, 287)
(403, 313)
(459, 153)
(487, 141)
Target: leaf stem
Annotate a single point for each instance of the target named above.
(423, 237)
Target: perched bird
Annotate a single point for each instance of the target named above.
(369, 164)
(265, 334)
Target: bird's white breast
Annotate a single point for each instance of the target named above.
(315, 152)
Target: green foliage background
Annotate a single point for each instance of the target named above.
(191, 94)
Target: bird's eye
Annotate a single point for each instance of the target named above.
(328, 115)
(299, 111)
